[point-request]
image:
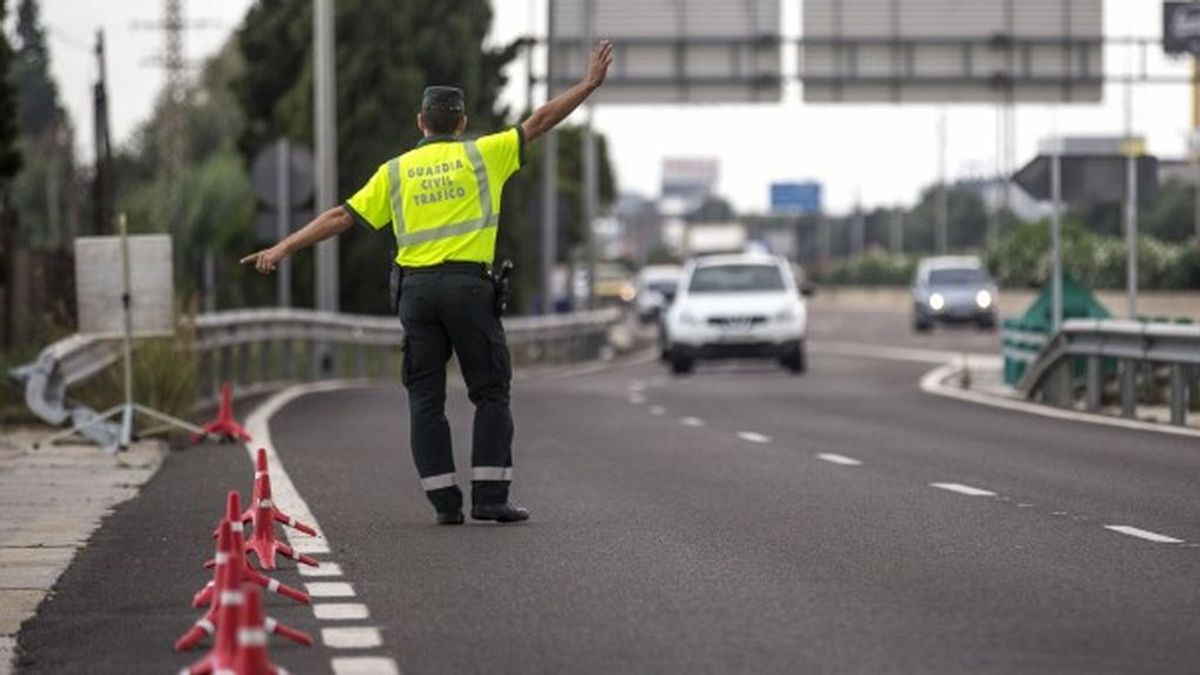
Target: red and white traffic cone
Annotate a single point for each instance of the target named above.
(237, 559)
(263, 514)
(250, 655)
(224, 426)
(225, 623)
(230, 577)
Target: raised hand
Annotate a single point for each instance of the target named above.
(598, 63)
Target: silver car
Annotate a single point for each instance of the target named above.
(953, 289)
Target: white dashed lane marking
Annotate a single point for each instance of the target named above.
(637, 398)
(658, 410)
(325, 569)
(353, 637)
(338, 611)
(364, 665)
(330, 589)
(753, 437)
(963, 489)
(691, 421)
(839, 459)
(1143, 534)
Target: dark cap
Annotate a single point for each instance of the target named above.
(445, 99)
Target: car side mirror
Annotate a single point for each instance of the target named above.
(668, 297)
(808, 290)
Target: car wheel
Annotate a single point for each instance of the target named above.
(681, 365)
(796, 361)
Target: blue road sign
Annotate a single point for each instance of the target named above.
(796, 199)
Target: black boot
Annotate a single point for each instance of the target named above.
(450, 518)
(501, 513)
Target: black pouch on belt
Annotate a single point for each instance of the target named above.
(395, 281)
(501, 281)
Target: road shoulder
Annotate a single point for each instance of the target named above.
(54, 498)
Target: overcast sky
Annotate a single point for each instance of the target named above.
(882, 152)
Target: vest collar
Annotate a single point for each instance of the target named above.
(437, 138)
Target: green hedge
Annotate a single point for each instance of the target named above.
(1021, 259)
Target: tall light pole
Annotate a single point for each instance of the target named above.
(325, 132)
(549, 179)
(589, 161)
(1131, 201)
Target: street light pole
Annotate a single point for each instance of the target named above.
(325, 131)
(589, 162)
(1131, 205)
(549, 179)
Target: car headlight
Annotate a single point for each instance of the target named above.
(786, 314)
(628, 293)
(984, 299)
(937, 302)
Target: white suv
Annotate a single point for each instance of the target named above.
(736, 306)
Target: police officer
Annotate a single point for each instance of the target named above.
(442, 200)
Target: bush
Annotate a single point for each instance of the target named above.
(876, 268)
(1022, 259)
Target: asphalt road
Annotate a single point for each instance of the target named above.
(737, 520)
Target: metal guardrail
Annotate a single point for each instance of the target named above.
(263, 349)
(1150, 363)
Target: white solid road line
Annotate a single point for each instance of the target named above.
(351, 637)
(364, 665)
(324, 569)
(1144, 534)
(338, 611)
(839, 459)
(691, 421)
(330, 589)
(288, 498)
(963, 489)
(753, 437)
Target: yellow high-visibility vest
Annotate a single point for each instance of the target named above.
(442, 197)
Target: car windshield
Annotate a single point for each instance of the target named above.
(736, 279)
(962, 276)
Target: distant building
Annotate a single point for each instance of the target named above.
(992, 192)
(638, 229)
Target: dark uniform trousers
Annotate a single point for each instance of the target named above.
(444, 313)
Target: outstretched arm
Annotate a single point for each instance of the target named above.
(329, 224)
(558, 108)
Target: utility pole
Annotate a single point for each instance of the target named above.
(102, 189)
(325, 132)
(1196, 137)
(1131, 203)
(174, 136)
(896, 231)
(943, 197)
(589, 161)
(1056, 300)
(858, 230)
(549, 179)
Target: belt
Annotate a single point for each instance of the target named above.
(474, 269)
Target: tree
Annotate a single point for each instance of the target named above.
(39, 106)
(10, 157)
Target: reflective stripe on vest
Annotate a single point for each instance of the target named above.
(404, 238)
(396, 195)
